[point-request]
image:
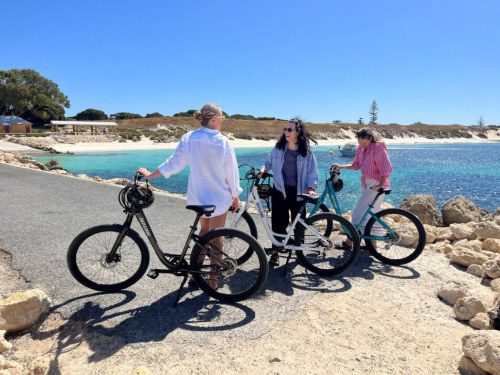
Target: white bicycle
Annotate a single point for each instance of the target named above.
(326, 253)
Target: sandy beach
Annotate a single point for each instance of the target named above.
(147, 144)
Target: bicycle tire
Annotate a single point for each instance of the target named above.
(252, 228)
(324, 208)
(352, 235)
(76, 247)
(419, 247)
(196, 265)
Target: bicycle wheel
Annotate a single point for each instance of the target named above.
(323, 207)
(340, 253)
(88, 263)
(246, 224)
(215, 266)
(402, 246)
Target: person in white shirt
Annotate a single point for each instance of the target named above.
(213, 171)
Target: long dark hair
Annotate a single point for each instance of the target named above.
(303, 138)
(367, 133)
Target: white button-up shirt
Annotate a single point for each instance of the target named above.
(213, 170)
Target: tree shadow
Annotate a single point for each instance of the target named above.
(106, 330)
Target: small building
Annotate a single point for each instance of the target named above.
(95, 127)
(14, 124)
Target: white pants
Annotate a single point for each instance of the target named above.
(367, 196)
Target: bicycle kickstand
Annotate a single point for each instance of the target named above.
(286, 264)
(180, 290)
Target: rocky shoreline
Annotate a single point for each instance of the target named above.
(463, 232)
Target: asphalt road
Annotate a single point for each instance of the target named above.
(42, 212)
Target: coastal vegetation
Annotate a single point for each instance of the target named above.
(27, 94)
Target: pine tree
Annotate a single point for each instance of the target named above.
(361, 121)
(373, 113)
(481, 121)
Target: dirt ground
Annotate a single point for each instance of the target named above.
(389, 322)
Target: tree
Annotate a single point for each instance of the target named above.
(361, 121)
(91, 114)
(189, 113)
(26, 93)
(481, 121)
(125, 115)
(154, 114)
(373, 113)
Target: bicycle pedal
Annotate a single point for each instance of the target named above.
(153, 274)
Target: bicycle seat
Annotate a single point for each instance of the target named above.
(308, 198)
(203, 209)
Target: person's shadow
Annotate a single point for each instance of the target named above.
(93, 324)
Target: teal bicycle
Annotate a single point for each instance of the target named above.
(393, 235)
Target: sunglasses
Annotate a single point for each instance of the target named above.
(289, 130)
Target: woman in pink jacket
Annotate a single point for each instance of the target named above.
(373, 160)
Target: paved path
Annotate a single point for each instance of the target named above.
(43, 212)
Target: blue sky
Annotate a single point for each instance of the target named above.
(429, 61)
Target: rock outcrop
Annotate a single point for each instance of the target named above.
(23, 309)
(461, 210)
(483, 348)
(424, 207)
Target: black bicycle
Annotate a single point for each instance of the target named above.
(110, 258)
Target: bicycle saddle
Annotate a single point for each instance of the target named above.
(308, 198)
(203, 209)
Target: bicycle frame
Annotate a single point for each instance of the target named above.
(330, 192)
(174, 268)
(253, 197)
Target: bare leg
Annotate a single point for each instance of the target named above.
(208, 224)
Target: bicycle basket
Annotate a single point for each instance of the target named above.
(264, 191)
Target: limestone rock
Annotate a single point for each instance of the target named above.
(451, 292)
(480, 321)
(447, 248)
(483, 348)
(408, 234)
(495, 285)
(465, 257)
(424, 207)
(4, 344)
(10, 368)
(461, 210)
(491, 244)
(467, 307)
(476, 270)
(21, 310)
(492, 268)
(119, 181)
(487, 229)
(40, 366)
(462, 231)
(98, 179)
(468, 367)
(444, 233)
(474, 245)
(430, 232)
(59, 171)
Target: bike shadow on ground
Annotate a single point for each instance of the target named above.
(107, 330)
(298, 277)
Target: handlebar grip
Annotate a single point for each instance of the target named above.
(138, 176)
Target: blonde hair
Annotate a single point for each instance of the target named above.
(207, 112)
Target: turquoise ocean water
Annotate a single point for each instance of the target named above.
(443, 170)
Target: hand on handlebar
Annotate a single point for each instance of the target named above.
(336, 167)
(142, 172)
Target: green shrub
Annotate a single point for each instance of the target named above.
(242, 136)
(482, 135)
